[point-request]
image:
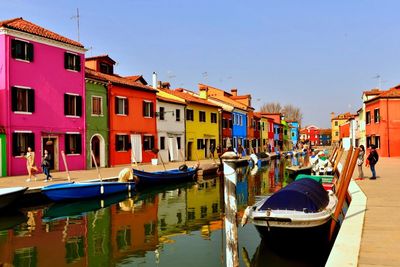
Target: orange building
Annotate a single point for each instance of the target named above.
(132, 121)
(382, 119)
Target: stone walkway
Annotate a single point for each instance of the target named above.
(380, 242)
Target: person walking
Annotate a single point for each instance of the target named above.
(360, 162)
(372, 159)
(212, 150)
(30, 164)
(46, 165)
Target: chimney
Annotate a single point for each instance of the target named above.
(234, 92)
(203, 92)
(332, 115)
(154, 80)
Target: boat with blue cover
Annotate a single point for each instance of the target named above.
(10, 194)
(183, 174)
(301, 204)
(75, 191)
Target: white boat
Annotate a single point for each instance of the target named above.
(303, 203)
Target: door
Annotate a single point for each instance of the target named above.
(189, 151)
(173, 149)
(136, 142)
(96, 150)
(207, 149)
(49, 144)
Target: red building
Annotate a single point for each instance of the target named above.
(312, 134)
(132, 121)
(382, 118)
(226, 126)
(344, 130)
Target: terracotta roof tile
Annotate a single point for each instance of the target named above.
(118, 80)
(165, 99)
(188, 97)
(22, 25)
(391, 93)
(100, 57)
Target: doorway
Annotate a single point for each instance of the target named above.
(207, 149)
(97, 145)
(50, 144)
(96, 151)
(189, 151)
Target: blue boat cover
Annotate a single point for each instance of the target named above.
(301, 195)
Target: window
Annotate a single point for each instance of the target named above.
(292, 134)
(178, 141)
(121, 105)
(122, 142)
(200, 144)
(368, 141)
(72, 61)
(73, 144)
(336, 123)
(21, 50)
(240, 120)
(162, 142)
(377, 141)
(225, 123)
(230, 124)
(202, 116)
(336, 133)
(23, 99)
(21, 142)
(148, 142)
(147, 109)
(263, 126)
(72, 105)
(189, 115)
(234, 119)
(376, 115)
(368, 117)
(213, 117)
(162, 113)
(178, 114)
(106, 68)
(97, 105)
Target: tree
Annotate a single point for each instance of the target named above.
(272, 107)
(290, 112)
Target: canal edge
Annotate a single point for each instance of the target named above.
(346, 249)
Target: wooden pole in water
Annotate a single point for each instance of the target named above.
(339, 182)
(65, 164)
(232, 254)
(95, 164)
(332, 156)
(162, 162)
(343, 191)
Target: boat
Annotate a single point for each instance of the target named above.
(301, 204)
(75, 191)
(296, 170)
(63, 210)
(165, 177)
(259, 159)
(327, 181)
(10, 194)
(207, 169)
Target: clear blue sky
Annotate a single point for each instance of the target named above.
(316, 55)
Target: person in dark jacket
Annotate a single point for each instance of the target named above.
(372, 159)
(46, 165)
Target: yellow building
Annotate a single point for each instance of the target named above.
(202, 123)
(336, 121)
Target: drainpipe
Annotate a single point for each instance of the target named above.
(387, 125)
(109, 86)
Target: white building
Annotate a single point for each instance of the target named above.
(171, 129)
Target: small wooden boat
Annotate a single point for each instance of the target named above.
(75, 191)
(301, 204)
(10, 194)
(207, 169)
(296, 170)
(165, 177)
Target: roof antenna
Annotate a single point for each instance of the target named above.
(77, 20)
(379, 78)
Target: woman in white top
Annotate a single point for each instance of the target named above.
(30, 164)
(360, 161)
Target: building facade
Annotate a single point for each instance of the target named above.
(336, 121)
(42, 92)
(294, 132)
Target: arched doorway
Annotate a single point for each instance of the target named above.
(98, 147)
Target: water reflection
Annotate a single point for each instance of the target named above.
(180, 225)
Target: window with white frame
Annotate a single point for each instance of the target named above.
(147, 109)
(21, 50)
(97, 105)
(23, 99)
(202, 116)
(72, 105)
(121, 105)
(122, 142)
(73, 143)
(72, 61)
(21, 141)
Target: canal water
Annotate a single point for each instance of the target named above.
(180, 225)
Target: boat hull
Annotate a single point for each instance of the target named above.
(164, 177)
(74, 191)
(10, 195)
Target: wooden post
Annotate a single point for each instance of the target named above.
(343, 190)
(337, 160)
(229, 160)
(65, 164)
(332, 156)
(95, 164)
(339, 182)
(162, 162)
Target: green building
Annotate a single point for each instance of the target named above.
(96, 121)
(287, 141)
(3, 158)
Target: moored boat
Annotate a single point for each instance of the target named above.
(10, 194)
(75, 191)
(296, 170)
(165, 177)
(301, 204)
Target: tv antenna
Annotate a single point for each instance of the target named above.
(379, 80)
(205, 75)
(77, 21)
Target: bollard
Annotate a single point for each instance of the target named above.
(230, 159)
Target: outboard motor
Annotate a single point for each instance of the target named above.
(183, 167)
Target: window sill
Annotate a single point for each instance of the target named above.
(22, 60)
(71, 70)
(23, 112)
(147, 117)
(72, 116)
(97, 115)
(121, 151)
(73, 154)
(122, 115)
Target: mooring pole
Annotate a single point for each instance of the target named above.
(230, 160)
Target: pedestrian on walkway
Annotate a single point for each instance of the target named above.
(372, 159)
(30, 164)
(360, 162)
(212, 150)
(46, 165)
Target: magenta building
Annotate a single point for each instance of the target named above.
(42, 96)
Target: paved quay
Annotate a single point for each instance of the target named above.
(380, 241)
(86, 175)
